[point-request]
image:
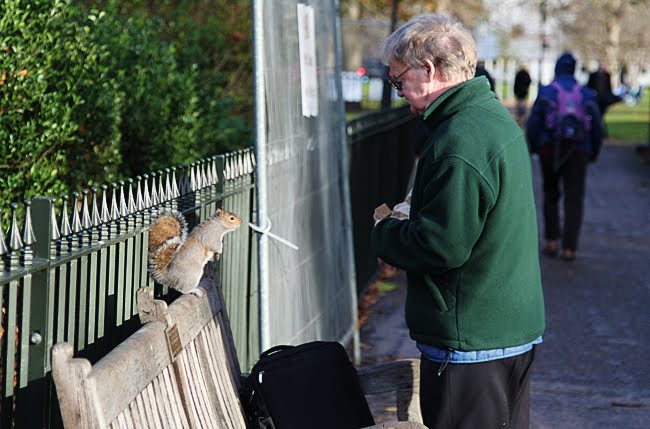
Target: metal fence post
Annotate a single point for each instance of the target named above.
(37, 229)
(39, 323)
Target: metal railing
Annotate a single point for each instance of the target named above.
(70, 273)
(70, 267)
(382, 148)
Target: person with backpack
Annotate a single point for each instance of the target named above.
(565, 130)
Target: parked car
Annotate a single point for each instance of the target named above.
(373, 69)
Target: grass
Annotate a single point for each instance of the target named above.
(630, 123)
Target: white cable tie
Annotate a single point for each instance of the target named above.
(267, 230)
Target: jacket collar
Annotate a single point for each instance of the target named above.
(469, 93)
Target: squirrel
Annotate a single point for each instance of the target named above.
(176, 259)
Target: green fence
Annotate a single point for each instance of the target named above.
(72, 266)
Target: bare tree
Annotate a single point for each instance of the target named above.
(610, 31)
(372, 19)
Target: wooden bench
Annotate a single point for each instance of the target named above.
(180, 370)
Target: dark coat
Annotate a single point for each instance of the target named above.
(601, 82)
(522, 83)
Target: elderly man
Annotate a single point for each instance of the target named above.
(469, 245)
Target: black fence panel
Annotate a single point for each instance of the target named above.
(383, 148)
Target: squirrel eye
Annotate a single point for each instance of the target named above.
(232, 217)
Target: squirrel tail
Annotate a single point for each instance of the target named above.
(167, 233)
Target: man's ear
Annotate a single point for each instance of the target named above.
(430, 68)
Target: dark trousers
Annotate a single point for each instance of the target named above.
(486, 395)
(571, 173)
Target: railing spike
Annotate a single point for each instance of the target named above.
(234, 172)
(76, 220)
(247, 163)
(15, 242)
(3, 246)
(175, 191)
(196, 166)
(168, 184)
(106, 213)
(215, 174)
(28, 230)
(96, 219)
(139, 201)
(193, 181)
(115, 211)
(54, 228)
(131, 203)
(146, 194)
(204, 176)
(209, 178)
(227, 168)
(235, 166)
(240, 164)
(124, 211)
(27, 254)
(155, 200)
(162, 196)
(65, 222)
(86, 223)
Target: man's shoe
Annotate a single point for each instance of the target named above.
(568, 254)
(550, 248)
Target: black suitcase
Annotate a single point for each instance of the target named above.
(310, 386)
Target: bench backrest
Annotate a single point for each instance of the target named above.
(178, 370)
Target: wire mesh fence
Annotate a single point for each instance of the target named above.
(303, 180)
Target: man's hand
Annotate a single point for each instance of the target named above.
(402, 210)
(381, 212)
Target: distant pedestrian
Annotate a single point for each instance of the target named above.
(565, 129)
(522, 84)
(601, 82)
(467, 238)
(482, 71)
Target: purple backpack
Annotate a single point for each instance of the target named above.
(568, 120)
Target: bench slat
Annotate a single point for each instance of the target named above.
(139, 384)
(198, 400)
(224, 380)
(173, 396)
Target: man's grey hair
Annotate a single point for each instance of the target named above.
(437, 37)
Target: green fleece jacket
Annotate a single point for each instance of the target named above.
(470, 246)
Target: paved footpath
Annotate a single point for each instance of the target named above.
(593, 369)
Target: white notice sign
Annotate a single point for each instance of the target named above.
(307, 48)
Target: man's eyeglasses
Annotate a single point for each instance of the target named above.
(395, 82)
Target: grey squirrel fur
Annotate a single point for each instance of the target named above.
(176, 259)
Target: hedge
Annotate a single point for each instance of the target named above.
(88, 96)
